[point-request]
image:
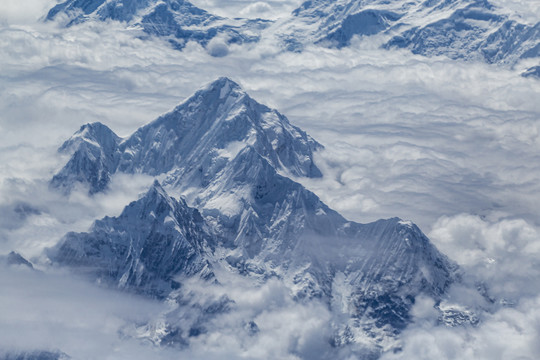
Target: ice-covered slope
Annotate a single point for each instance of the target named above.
(178, 20)
(459, 29)
(142, 250)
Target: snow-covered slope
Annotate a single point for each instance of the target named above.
(154, 239)
(178, 20)
(193, 141)
(532, 72)
(231, 158)
(459, 29)
(94, 150)
(475, 31)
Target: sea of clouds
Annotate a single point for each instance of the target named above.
(452, 146)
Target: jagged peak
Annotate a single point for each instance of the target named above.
(14, 258)
(95, 133)
(94, 126)
(223, 82)
(157, 190)
(96, 130)
(208, 98)
(224, 86)
(221, 101)
(156, 193)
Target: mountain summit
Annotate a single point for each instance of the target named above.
(95, 152)
(197, 139)
(154, 239)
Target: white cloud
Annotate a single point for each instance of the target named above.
(256, 9)
(36, 217)
(415, 137)
(520, 10)
(218, 47)
(510, 333)
(54, 312)
(27, 11)
(283, 328)
(270, 9)
(505, 255)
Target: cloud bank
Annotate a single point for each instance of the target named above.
(51, 312)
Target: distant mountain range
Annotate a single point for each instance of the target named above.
(177, 20)
(233, 160)
(459, 29)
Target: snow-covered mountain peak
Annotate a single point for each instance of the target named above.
(233, 158)
(123, 10)
(178, 20)
(210, 128)
(96, 134)
(154, 239)
(192, 143)
(94, 154)
(156, 197)
(460, 29)
(217, 100)
(224, 85)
